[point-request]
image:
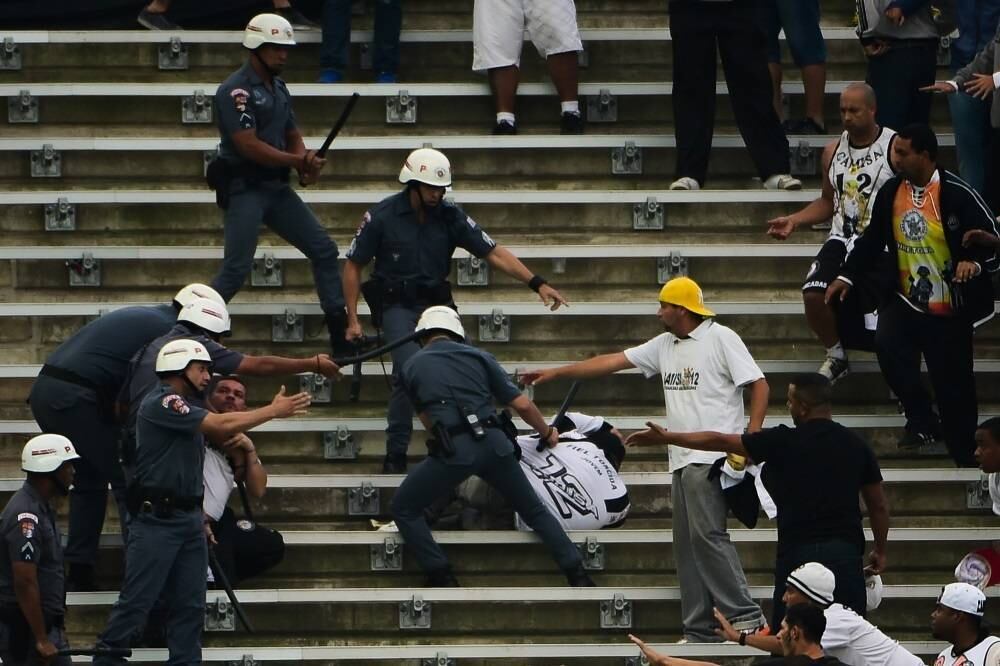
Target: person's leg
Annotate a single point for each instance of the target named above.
(498, 33)
(948, 354)
(800, 19)
(887, 75)
(388, 23)
(696, 602)
(971, 118)
(847, 564)
(742, 49)
(693, 37)
(398, 322)
(771, 21)
(785, 563)
(225, 549)
(898, 352)
(506, 476)
(564, 70)
(920, 71)
(256, 550)
(716, 559)
(822, 318)
(503, 84)
(242, 222)
(185, 590)
(426, 482)
(333, 52)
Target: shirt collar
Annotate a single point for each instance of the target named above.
(251, 74)
(401, 206)
(33, 493)
(701, 330)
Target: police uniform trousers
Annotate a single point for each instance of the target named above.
(73, 411)
(708, 567)
(276, 205)
(11, 654)
(398, 322)
(165, 556)
(245, 549)
(437, 477)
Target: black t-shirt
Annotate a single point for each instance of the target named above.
(801, 660)
(814, 473)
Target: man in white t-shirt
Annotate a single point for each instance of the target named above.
(958, 619)
(849, 637)
(704, 368)
(243, 548)
(981, 567)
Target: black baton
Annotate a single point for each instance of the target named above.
(567, 401)
(337, 126)
(220, 576)
(247, 509)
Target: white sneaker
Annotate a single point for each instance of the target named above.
(686, 183)
(782, 181)
(834, 368)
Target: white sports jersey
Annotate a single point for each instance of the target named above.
(854, 640)
(856, 175)
(985, 653)
(575, 482)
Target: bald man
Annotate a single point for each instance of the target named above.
(856, 166)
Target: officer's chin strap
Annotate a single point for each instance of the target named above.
(195, 391)
(269, 69)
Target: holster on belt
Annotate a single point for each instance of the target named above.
(440, 445)
(218, 178)
(161, 502)
(381, 292)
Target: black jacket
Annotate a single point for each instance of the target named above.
(962, 209)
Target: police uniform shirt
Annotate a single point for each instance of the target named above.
(984, 653)
(143, 377)
(703, 377)
(402, 248)
(243, 102)
(100, 351)
(575, 482)
(31, 536)
(170, 450)
(854, 640)
(446, 374)
(219, 480)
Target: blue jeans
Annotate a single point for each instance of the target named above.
(337, 35)
(800, 19)
(971, 118)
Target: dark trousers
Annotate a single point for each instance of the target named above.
(398, 322)
(281, 209)
(168, 557)
(433, 479)
(697, 29)
(897, 77)
(844, 559)
(902, 337)
(245, 549)
(72, 411)
(337, 35)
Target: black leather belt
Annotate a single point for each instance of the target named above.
(67, 376)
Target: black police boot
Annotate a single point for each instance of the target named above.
(336, 324)
(578, 577)
(394, 464)
(80, 578)
(441, 578)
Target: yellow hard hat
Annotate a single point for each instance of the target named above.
(686, 293)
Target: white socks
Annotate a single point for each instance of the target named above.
(571, 107)
(837, 351)
(505, 116)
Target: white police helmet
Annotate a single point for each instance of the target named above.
(268, 29)
(197, 290)
(427, 166)
(45, 453)
(206, 314)
(440, 318)
(177, 355)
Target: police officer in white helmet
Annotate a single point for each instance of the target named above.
(260, 145)
(32, 589)
(166, 551)
(411, 237)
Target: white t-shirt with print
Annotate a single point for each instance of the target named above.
(219, 480)
(994, 484)
(984, 653)
(854, 640)
(703, 377)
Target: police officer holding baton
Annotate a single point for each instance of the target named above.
(32, 590)
(260, 145)
(412, 236)
(453, 386)
(166, 551)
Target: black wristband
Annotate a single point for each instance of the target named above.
(536, 282)
(743, 638)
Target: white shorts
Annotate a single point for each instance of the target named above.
(498, 28)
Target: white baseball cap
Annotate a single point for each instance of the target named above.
(873, 591)
(963, 597)
(584, 423)
(975, 570)
(815, 581)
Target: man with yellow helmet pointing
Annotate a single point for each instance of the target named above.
(704, 368)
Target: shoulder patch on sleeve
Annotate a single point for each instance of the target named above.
(27, 516)
(489, 241)
(470, 221)
(28, 527)
(176, 403)
(365, 219)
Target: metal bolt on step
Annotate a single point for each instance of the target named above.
(46, 163)
(668, 268)
(10, 55)
(388, 556)
(593, 554)
(415, 613)
(802, 159)
(85, 271)
(220, 616)
(583, 58)
(23, 108)
(266, 272)
(363, 500)
(288, 327)
(616, 613)
(648, 216)
(316, 385)
(559, 265)
(60, 216)
(196, 108)
(627, 160)
(494, 327)
(401, 109)
(977, 494)
(173, 56)
(340, 444)
(602, 108)
(245, 660)
(473, 272)
(636, 661)
(440, 659)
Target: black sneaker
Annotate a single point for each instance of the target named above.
(394, 464)
(913, 439)
(151, 21)
(579, 577)
(296, 18)
(441, 578)
(834, 369)
(504, 128)
(571, 123)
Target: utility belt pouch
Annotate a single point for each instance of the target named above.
(506, 424)
(218, 177)
(443, 447)
(373, 292)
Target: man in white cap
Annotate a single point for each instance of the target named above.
(958, 619)
(849, 637)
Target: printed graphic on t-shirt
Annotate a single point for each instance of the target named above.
(685, 380)
(923, 258)
(569, 496)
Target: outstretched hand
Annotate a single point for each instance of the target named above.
(651, 436)
(291, 405)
